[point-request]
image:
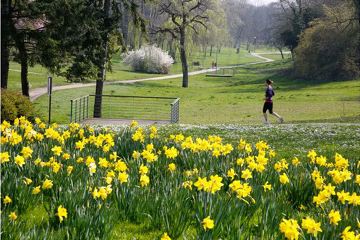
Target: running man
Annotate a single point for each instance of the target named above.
(268, 104)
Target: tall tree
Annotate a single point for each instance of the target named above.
(103, 58)
(5, 41)
(25, 26)
(110, 23)
(184, 15)
(85, 34)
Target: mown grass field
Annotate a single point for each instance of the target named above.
(38, 75)
(239, 99)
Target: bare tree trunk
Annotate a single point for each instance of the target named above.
(4, 63)
(281, 52)
(357, 8)
(124, 23)
(133, 38)
(292, 54)
(24, 67)
(102, 73)
(5, 18)
(172, 49)
(211, 48)
(125, 26)
(184, 64)
(142, 7)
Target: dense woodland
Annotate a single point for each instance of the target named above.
(77, 38)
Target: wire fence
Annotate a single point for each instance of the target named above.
(79, 109)
(223, 72)
(127, 107)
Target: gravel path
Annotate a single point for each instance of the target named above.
(38, 92)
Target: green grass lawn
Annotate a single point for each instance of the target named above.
(238, 99)
(276, 56)
(38, 75)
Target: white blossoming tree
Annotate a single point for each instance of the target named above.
(150, 59)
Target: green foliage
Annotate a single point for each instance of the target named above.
(329, 48)
(14, 105)
(81, 70)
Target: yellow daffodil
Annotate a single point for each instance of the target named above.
(92, 168)
(7, 200)
(201, 184)
(103, 163)
(165, 236)
(36, 190)
(134, 124)
(136, 155)
(47, 184)
(172, 167)
(19, 160)
(311, 226)
(348, 235)
(69, 169)
(295, 161)
(138, 136)
(27, 181)
(13, 216)
(231, 173)
(120, 166)
(57, 150)
(240, 161)
(357, 179)
(26, 152)
(4, 157)
(143, 169)
(144, 180)
(290, 228)
(246, 174)
(214, 184)
(284, 178)
(334, 217)
(187, 185)
(171, 153)
(123, 177)
(267, 186)
(343, 196)
(61, 213)
(208, 223)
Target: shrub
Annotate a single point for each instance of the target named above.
(14, 105)
(148, 59)
(329, 48)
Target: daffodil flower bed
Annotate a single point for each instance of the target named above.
(87, 179)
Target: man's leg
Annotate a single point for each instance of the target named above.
(278, 116)
(265, 117)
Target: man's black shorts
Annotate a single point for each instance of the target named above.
(268, 106)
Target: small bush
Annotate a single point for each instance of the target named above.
(14, 105)
(329, 49)
(149, 59)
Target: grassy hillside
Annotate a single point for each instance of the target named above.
(38, 75)
(238, 99)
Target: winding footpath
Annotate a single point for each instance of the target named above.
(38, 92)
